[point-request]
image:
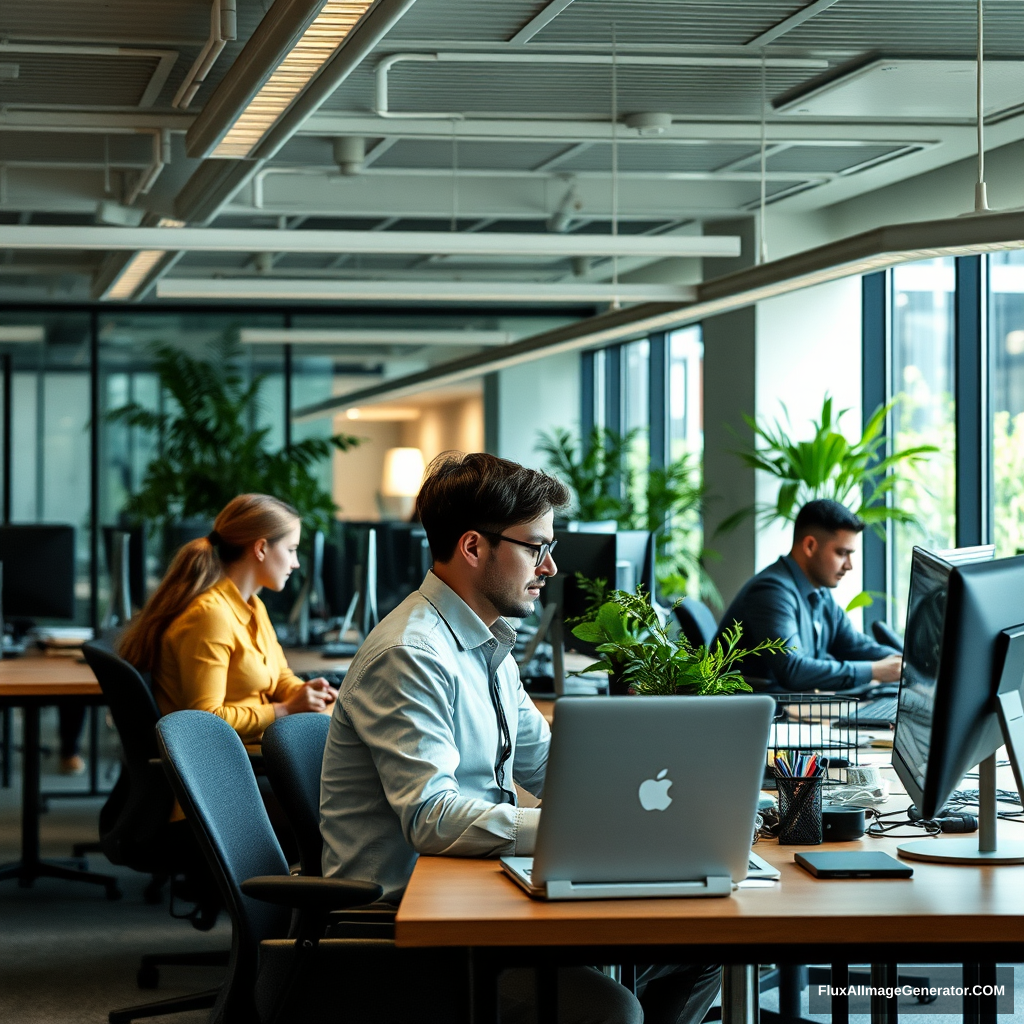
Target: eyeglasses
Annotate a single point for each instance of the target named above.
(540, 550)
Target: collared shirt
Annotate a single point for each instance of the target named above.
(222, 655)
(780, 602)
(415, 741)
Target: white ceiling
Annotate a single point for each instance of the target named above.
(529, 141)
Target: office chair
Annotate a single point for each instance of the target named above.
(885, 634)
(293, 751)
(302, 977)
(136, 829)
(696, 622)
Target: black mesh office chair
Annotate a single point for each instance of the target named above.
(696, 622)
(136, 829)
(303, 977)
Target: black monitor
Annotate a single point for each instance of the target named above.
(961, 693)
(38, 571)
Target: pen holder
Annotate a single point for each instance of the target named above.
(799, 809)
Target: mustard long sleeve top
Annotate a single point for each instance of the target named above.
(222, 655)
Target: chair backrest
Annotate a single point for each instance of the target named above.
(139, 808)
(293, 752)
(885, 634)
(696, 622)
(211, 776)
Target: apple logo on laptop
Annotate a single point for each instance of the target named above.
(654, 792)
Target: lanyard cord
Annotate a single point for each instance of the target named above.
(505, 736)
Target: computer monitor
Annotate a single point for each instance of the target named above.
(960, 696)
(38, 571)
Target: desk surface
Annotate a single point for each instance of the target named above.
(459, 902)
(42, 676)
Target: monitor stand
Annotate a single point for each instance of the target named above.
(1011, 720)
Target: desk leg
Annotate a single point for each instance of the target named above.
(840, 1003)
(739, 994)
(31, 866)
(883, 1009)
(979, 1009)
(483, 987)
(547, 993)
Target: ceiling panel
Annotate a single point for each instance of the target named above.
(720, 22)
(830, 159)
(153, 22)
(468, 155)
(490, 20)
(894, 27)
(656, 157)
(80, 148)
(77, 80)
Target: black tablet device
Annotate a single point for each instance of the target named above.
(853, 864)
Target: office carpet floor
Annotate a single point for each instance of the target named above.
(69, 956)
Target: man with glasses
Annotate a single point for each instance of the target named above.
(432, 728)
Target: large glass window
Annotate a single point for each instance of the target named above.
(636, 413)
(1006, 346)
(923, 380)
(685, 394)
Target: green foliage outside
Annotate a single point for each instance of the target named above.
(209, 452)
(858, 474)
(638, 650)
(610, 480)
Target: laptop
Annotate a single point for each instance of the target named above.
(648, 796)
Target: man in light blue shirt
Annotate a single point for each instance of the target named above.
(432, 728)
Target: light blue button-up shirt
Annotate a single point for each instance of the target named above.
(411, 760)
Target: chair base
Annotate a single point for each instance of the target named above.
(26, 872)
(179, 1004)
(149, 968)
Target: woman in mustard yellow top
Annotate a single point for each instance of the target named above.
(205, 635)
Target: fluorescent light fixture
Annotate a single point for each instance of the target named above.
(139, 267)
(302, 336)
(316, 45)
(285, 290)
(16, 334)
(866, 253)
(416, 243)
(383, 414)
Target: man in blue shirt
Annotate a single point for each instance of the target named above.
(792, 600)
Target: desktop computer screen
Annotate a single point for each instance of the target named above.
(947, 720)
(38, 571)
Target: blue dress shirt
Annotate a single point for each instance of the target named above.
(780, 602)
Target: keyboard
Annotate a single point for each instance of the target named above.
(334, 678)
(872, 714)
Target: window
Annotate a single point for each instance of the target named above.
(1006, 347)
(923, 378)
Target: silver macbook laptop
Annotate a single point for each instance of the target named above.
(648, 796)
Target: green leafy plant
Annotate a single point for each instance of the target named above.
(638, 652)
(209, 451)
(858, 474)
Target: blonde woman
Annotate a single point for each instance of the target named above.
(205, 635)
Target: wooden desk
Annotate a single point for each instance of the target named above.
(31, 683)
(944, 914)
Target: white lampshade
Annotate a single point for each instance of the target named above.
(403, 473)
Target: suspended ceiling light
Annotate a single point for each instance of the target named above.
(315, 46)
(371, 336)
(861, 254)
(529, 292)
(139, 267)
(23, 335)
(418, 243)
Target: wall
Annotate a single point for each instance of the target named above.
(357, 472)
(808, 345)
(535, 397)
(445, 426)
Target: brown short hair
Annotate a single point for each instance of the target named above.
(478, 491)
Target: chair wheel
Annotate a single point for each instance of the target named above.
(114, 892)
(148, 977)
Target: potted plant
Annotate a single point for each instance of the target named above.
(641, 657)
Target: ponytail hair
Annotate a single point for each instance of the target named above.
(198, 565)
